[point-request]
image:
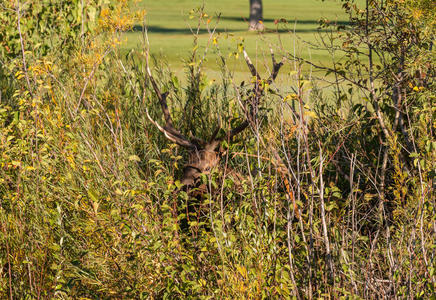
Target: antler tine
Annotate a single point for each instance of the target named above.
(217, 129)
(276, 67)
(238, 129)
(162, 100)
(251, 66)
(272, 55)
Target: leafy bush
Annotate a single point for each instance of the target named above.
(328, 194)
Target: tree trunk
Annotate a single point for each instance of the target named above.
(256, 15)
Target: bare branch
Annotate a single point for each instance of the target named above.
(335, 71)
(22, 47)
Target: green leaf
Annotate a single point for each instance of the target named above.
(93, 195)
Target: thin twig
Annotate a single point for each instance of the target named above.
(323, 218)
(22, 48)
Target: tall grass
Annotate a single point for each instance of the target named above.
(320, 201)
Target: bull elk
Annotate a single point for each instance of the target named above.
(204, 155)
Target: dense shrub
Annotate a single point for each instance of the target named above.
(328, 194)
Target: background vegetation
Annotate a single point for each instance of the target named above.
(170, 27)
(328, 200)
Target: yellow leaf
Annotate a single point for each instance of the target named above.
(202, 282)
(242, 270)
(310, 114)
(95, 207)
(290, 97)
(134, 158)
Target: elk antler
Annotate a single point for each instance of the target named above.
(168, 129)
(257, 93)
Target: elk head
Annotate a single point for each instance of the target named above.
(204, 155)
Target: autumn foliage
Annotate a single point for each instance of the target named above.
(329, 192)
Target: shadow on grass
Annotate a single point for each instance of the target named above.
(185, 31)
(178, 30)
(269, 20)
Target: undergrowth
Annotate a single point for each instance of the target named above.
(328, 200)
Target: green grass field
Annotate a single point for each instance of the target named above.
(170, 36)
